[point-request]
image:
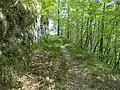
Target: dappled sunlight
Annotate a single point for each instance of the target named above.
(60, 45)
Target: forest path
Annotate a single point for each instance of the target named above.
(75, 78)
(29, 82)
(85, 73)
(66, 72)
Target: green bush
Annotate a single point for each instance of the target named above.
(50, 44)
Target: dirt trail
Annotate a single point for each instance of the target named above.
(75, 78)
(38, 77)
(29, 82)
(79, 79)
(47, 74)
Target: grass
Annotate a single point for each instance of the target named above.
(50, 44)
(14, 61)
(98, 75)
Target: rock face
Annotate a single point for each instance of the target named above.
(44, 27)
(1, 18)
(40, 28)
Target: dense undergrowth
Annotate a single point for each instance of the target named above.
(46, 62)
(14, 61)
(50, 44)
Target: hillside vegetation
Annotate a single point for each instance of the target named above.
(82, 54)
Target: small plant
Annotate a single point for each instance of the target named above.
(50, 44)
(64, 66)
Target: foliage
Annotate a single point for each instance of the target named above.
(50, 44)
(97, 74)
(93, 26)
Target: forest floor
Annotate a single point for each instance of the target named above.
(73, 69)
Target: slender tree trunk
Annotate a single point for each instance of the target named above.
(96, 46)
(102, 31)
(77, 28)
(115, 50)
(81, 34)
(58, 30)
(68, 32)
(91, 35)
(87, 35)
